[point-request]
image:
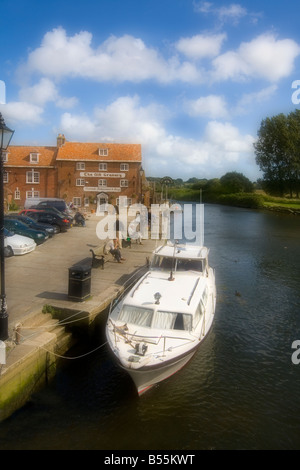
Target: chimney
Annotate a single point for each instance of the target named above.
(60, 140)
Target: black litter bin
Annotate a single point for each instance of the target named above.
(79, 282)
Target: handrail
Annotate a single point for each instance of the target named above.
(193, 291)
(125, 335)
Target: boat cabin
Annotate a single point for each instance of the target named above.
(180, 258)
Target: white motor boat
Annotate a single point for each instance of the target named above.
(159, 325)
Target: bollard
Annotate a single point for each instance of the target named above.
(2, 353)
(17, 329)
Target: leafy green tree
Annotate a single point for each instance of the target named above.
(234, 182)
(277, 153)
(293, 123)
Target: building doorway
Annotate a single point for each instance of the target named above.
(102, 202)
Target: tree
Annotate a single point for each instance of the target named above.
(234, 182)
(277, 153)
(293, 122)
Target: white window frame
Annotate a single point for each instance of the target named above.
(103, 152)
(124, 183)
(32, 194)
(128, 201)
(32, 177)
(5, 157)
(80, 182)
(34, 157)
(17, 194)
(102, 166)
(86, 202)
(102, 183)
(77, 201)
(124, 167)
(80, 166)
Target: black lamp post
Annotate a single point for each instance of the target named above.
(141, 184)
(5, 138)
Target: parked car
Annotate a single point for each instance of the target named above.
(33, 224)
(52, 210)
(46, 217)
(15, 226)
(60, 204)
(17, 244)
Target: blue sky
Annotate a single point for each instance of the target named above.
(189, 80)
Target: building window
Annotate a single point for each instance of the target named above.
(77, 201)
(102, 166)
(80, 182)
(103, 152)
(128, 201)
(124, 183)
(124, 167)
(32, 177)
(5, 157)
(17, 194)
(80, 166)
(86, 202)
(102, 183)
(34, 158)
(32, 193)
(5, 177)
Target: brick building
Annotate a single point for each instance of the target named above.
(85, 174)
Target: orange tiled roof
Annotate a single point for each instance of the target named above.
(90, 151)
(20, 156)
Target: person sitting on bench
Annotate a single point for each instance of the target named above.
(113, 247)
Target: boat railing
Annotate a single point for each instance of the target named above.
(130, 337)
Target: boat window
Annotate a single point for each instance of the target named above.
(198, 313)
(172, 321)
(166, 264)
(162, 262)
(136, 315)
(189, 265)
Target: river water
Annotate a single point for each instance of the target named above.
(240, 391)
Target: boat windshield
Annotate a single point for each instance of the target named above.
(164, 263)
(136, 315)
(160, 319)
(172, 321)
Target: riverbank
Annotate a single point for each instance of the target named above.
(256, 200)
(44, 321)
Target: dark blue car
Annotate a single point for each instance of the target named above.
(33, 224)
(15, 226)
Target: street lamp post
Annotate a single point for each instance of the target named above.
(5, 138)
(141, 184)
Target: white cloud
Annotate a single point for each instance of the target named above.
(128, 59)
(22, 112)
(126, 120)
(118, 59)
(227, 140)
(211, 106)
(40, 93)
(264, 57)
(201, 46)
(248, 100)
(44, 91)
(232, 13)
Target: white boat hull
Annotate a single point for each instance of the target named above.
(146, 379)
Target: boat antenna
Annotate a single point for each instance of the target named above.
(172, 278)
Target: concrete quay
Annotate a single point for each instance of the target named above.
(42, 318)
